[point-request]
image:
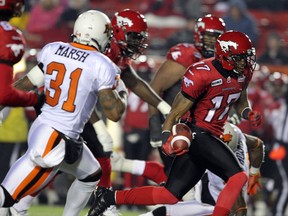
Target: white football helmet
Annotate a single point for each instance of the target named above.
(231, 136)
(92, 28)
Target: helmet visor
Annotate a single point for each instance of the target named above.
(135, 44)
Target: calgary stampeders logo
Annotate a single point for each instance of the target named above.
(123, 21)
(17, 49)
(225, 45)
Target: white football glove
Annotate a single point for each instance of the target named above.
(103, 136)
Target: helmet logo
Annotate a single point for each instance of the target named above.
(2, 2)
(201, 25)
(16, 48)
(226, 137)
(226, 44)
(123, 21)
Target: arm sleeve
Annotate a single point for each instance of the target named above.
(110, 74)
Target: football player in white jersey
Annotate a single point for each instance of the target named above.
(248, 149)
(74, 75)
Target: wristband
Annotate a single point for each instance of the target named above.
(164, 107)
(100, 127)
(254, 170)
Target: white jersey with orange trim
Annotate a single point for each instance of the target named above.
(73, 76)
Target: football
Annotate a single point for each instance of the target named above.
(182, 137)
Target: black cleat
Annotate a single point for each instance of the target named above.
(99, 205)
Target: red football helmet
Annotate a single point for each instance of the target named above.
(207, 30)
(234, 50)
(130, 30)
(15, 7)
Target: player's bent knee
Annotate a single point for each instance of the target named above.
(240, 177)
(166, 196)
(8, 200)
(93, 177)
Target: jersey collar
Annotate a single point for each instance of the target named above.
(82, 46)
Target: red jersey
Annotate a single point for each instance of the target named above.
(184, 54)
(114, 53)
(12, 44)
(12, 48)
(213, 92)
(136, 113)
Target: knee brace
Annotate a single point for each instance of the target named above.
(93, 177)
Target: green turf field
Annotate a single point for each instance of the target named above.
(44, 210)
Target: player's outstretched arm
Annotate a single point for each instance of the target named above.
(142, 89)
(256, 151)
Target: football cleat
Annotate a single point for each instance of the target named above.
(99, 205)
(112, 211)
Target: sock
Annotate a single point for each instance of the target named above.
(140, 181)
(77, 197)
(229, 194)
(24, 204)
(148, 195)
(155, 172)
(105, 179)
(128, 180)
(161, 211)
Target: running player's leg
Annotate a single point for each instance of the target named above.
(87, 171)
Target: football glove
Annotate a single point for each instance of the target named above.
(255, 118)
(278, 152)
(167, 148)
(40, 102)
(104, 137)
(254, 184)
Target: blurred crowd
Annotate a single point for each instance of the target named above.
(170, 22)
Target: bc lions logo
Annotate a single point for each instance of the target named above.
(16, 48)
(225, 45)
(187, 81)
(122, 21)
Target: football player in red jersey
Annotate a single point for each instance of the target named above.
(12, 48)
(167, 80)
(208, 90)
